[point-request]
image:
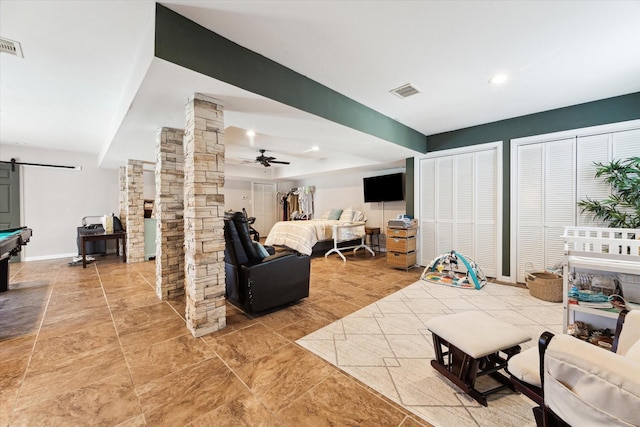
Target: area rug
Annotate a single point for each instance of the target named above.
(387, 346)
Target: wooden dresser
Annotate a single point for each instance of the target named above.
(401, 247)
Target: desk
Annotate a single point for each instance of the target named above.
(104, 236)
(11, 242)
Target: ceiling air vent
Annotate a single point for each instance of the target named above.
(405, 91)
(11, 47)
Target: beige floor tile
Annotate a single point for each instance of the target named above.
(166, 357)
(282, 376)
(108, 401)
(343, 401)
(186, 395)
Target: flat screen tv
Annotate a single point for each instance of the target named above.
(383, 188)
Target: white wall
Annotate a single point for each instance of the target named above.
(149, 176)
(342, 191)
(237, 195)
(54, 201)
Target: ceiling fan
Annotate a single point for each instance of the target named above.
(267, 160)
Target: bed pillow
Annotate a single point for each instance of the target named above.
(326, 214)
(347, 215)
(335, 214)
(358, 216)
(262, 252)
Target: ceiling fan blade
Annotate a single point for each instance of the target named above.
(282, 163)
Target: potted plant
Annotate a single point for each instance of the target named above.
(622, 208)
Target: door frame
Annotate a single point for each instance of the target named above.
(16, 201)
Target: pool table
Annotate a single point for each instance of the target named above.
(11, 242)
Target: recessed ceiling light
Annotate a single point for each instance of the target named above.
(499, 79)
(251, 133)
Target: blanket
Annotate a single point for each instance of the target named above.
(300, 235)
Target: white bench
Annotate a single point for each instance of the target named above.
(469, 344)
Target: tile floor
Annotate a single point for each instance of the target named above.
(387, 346)
(95, 346)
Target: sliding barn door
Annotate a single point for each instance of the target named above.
(459, 206)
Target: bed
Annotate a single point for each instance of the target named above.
(335, 226)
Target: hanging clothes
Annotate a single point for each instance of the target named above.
(292, 200)
(284, 206)
(305, 198)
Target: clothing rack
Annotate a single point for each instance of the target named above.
(298, 201)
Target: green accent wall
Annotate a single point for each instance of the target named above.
(611, 110)
(187, 44)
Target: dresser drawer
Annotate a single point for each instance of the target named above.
(404, 260)
(401, 244)
(401, 232)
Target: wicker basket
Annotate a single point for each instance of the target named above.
(545, 286)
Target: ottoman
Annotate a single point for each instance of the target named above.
(472, 344)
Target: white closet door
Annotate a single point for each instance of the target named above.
(626, 144)
(463, 212)
(549, 180)
(546, 203)
(530, 240)
(486, 212)
(264, 206)
(590, 149)
(560, 196)
(459, 207)
(445, 205)
(428, 210)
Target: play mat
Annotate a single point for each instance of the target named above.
(454, 269)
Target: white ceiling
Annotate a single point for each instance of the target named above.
(88, 80)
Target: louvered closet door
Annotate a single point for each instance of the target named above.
(592, 148)
(444, 205)
(264, 206)
(486, 212)
(530, 241)
(546, 203)
(428, 215)
(626, 144)
(458, 195)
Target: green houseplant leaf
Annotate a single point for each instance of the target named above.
(622, 208)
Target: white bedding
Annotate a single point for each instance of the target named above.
(301, 235)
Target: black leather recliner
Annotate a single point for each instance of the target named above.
(257, 284)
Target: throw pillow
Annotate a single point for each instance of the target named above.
(335, 214)
(347, 215)
(261, 250)
(326, 214)
(359, 216)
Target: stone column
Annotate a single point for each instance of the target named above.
(122, 200)
(169, 208)
(135, 212)
(203, 215)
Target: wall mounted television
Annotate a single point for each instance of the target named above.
(383, 188)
